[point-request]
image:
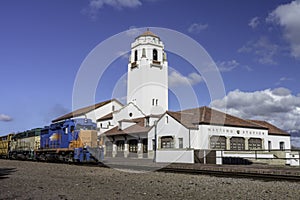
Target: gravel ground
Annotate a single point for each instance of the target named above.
(32, 180)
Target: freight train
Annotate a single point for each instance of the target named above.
(72, 140)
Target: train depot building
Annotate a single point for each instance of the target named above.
(145, 128)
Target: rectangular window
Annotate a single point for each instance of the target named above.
(167, 142)
(180, 142)
(281, 146)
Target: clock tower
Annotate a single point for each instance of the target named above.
(147, 85)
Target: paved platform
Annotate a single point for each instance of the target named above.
(254, 170)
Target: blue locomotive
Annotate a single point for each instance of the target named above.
(69, 141)
(72, 140)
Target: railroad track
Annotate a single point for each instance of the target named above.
(251, 175)
(219, 173)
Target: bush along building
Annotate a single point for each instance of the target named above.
(145, 128)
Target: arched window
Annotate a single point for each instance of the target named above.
(237, 143)
(135, 55)
(154, 54)
(218, 142)
(254, 143)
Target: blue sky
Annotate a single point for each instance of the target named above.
(255, 44)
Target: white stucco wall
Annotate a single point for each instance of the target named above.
(118, 115)
(169, 127)
(130, 111)
(106, 125)
(206, 131)
(276, 139)
(175, 156)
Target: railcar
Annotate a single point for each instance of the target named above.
(5, 142)
(73, 140)
(24, 144)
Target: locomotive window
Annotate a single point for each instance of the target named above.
(66, 130)
(86, 127)
(72, 129)
(44, 131)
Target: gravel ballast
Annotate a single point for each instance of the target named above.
(34, 180)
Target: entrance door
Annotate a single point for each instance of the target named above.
(133, 147)
(145, 148)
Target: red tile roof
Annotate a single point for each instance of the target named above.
(204, 115)
(105, 117)
(191, 118)
(139, 127)
(84, 110)
(273, 130)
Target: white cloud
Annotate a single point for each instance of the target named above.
(227, 66)
(287, 16)
(177, 79)
(96, 5)
(277, 106)
(254, 22)
(5, 118)
(197, 28)
(264, 50)
(283, 79)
